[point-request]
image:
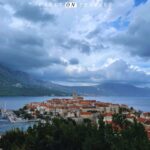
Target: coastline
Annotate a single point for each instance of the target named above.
(21, 101)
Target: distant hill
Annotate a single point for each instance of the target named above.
(112, 89)
(18, 83)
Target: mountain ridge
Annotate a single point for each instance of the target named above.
(18, 83)
(113, 89)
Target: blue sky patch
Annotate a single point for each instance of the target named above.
(138, 2)
(120, 23)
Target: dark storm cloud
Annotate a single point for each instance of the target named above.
(82, 46)
(108, 1)
(29, 40)
(136, 40)
(60, 1)
(34, 14)
(85, 48)
(23, 50)
(74, 61)
(57, 61)
(94, 33)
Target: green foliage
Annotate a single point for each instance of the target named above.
(120, 119)
(63, 134)
(13, 140)
(22, 113)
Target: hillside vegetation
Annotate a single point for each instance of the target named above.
(68, 135)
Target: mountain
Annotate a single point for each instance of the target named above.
(112, 89)
(18, 83)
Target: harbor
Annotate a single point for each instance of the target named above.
(6, 125)
(9, 121)
(11, 116)
(9, 104)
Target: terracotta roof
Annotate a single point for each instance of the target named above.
(102, 104)
(141, 120)
(85, 113)
(130, 116)
(147, 122)
(31, 107)
(74, 107)
(146, 114)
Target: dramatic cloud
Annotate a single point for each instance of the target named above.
(34, 13)
(136, 38)
(117, 71)
(121, 71)
(74, 61)
(100, 40)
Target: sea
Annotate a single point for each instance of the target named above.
(14, 103)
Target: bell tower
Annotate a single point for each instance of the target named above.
(74, 95)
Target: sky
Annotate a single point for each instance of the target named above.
(98, 41)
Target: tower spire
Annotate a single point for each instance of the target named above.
(74, 95)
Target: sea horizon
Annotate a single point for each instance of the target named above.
(16, 102)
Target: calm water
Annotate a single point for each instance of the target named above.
(5, 125)
(142, 103)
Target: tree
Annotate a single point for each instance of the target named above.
(13, 140)
(64, 134)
